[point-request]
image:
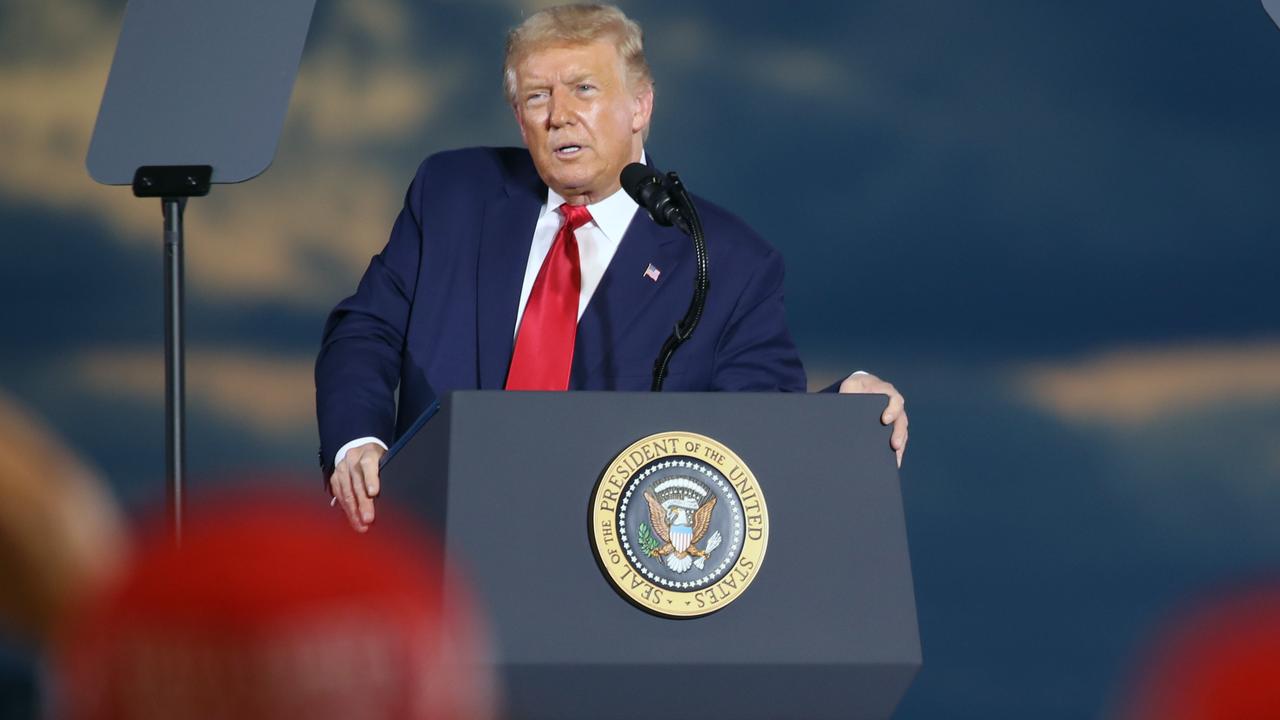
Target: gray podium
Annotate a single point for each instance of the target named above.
(827, 629)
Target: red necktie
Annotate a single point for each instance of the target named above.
(543, 356)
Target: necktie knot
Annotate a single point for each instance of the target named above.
(575, 216)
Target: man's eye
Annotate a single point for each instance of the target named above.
(585, 87)
(536, 98)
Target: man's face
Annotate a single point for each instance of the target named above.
(580, 121)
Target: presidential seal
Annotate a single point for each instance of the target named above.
(679, 524)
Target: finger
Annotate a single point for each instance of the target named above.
(333, 487)
(341, 482)
(364, 504)
(894, 408)
(901, 451)
(336, 482)
(349, 503)
(899, 438)
(372, 483)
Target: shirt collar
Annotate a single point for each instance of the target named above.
(612, 214)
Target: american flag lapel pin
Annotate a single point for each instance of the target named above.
(652, 272)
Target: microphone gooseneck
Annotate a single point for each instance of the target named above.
(668, 203)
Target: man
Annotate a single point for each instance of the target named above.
(529, 269)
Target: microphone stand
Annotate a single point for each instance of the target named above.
(690, 225)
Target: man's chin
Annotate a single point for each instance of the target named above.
(570, 184)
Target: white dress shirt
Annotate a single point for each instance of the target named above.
(598, 240)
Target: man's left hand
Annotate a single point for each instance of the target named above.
(895, 412)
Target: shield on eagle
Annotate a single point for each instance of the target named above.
(680, 537)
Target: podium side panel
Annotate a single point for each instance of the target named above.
(416, 481)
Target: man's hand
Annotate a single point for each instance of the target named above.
(355, 483)
(895, 412)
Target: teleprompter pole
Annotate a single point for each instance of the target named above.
(175, 437)
(173, 185)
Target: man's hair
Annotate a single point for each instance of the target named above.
(577, 25)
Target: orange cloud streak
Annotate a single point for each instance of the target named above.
(271, 394)
(1136, 386)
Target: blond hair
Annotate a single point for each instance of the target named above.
(577, 25)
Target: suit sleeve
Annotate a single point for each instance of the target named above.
(755, 351)
(358, 368)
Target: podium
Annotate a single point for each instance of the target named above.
(826, 628)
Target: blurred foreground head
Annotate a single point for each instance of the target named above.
(1220, 661)
(273, 609)
(60, 532)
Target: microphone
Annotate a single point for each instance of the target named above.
(649, 191)
(669, 203)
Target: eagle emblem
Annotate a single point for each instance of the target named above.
(680, 511)
(697, 538)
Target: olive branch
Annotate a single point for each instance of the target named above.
(648, 543)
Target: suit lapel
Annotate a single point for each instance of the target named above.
(509, 220)
(624, 293)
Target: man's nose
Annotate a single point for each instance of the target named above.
(561, 108)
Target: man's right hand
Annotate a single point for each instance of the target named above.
(355, 483)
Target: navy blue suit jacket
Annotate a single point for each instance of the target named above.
(436, 309)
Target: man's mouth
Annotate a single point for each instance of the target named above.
(566, 151)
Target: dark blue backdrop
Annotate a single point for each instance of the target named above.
(1052, 224)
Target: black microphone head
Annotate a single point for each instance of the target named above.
(635, 177)
(646, 187)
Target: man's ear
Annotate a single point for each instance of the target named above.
(643, 108)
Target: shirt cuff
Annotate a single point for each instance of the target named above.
(342, 451)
